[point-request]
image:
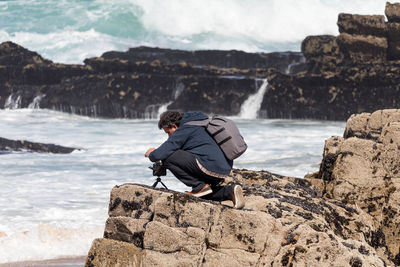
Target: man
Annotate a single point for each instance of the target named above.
(193, 156)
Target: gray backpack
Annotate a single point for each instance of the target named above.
(225, 133)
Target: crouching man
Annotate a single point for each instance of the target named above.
(193, 156)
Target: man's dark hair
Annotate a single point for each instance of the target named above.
(169, 118)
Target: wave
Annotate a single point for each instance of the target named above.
(69, 31)
(47, 241)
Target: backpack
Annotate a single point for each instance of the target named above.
(225, 132)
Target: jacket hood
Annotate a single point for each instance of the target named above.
(193, 116)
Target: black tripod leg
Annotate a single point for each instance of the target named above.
(155, 184)
(164, 185)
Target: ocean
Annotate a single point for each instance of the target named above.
(68, 31)
(52, 205)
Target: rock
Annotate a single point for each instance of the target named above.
(355, 72)
(362, 24)
(285, 222)
(108, 252)
(362, 49)
(321, 52)
(7, 145)
(392, 12)
(363, 169)
(136, 83)
(393, 37)
(217, 58)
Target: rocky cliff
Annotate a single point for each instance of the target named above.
(356, 71)
(136, 83)
(362, 169)
(346, 214)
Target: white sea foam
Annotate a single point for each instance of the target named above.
(261, 21)
(47, 241)
(70, 31)
(69, 46)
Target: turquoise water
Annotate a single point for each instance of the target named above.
(69, 31)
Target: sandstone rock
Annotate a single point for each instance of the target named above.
(108, 252)
(363, 168)
(362, 24)
(285, 222)
(392, 12)
(362, 49)
(369, 126)
(7, 145)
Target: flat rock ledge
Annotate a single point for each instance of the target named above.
(346, 214)
(7, 146)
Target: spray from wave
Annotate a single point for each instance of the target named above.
(68, 31)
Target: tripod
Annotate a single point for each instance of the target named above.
(159, 181)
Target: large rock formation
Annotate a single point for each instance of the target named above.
(356, 71)
(362, 169)
(136, 83)
(344, 215)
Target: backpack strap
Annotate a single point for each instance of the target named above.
(199, 123)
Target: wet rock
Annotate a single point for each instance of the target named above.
(354, 72)
(136, 83)
(362, 24)
(362, 49)
(7, 145)
(321, 52)
(392, 12)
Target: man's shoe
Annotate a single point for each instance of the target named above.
(206, 190)
(237, 197)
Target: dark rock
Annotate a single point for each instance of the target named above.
(321, 52)
(392, 12)
(136, 83)
(362, 24)
(7, 145)
(217, 58)
(362, 49)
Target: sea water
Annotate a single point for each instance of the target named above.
(68, 31)
(54, 205)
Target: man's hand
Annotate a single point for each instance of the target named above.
(147, 154)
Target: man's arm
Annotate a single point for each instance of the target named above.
(174, 143)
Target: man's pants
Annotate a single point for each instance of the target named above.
(184, 166)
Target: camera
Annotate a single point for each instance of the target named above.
(159, 169)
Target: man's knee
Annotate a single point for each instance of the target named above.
(178, 157)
